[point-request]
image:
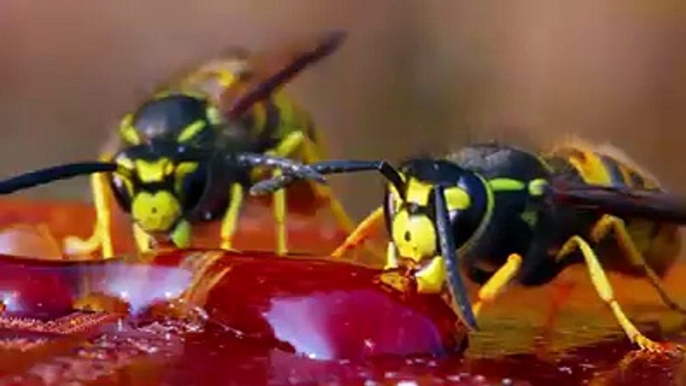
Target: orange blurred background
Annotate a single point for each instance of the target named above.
(414, 75)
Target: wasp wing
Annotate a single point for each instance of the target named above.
(621, 201)
(266, 72)
(238, 78)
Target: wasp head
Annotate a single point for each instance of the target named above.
(162, 186)
(410, 207)
(175, 117)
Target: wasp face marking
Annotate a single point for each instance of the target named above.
(156, 211)
(414, 236)
(413, 221)
(159, 192)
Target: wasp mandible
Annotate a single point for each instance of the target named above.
(183, 157)
(500, 214)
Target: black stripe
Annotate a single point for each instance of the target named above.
(616, 176)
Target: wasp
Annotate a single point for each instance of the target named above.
(499, 214)
(188, 153)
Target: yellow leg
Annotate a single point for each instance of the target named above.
(143, 240)
(604, 289)
(610, 223)
(310, 156)
(279, 207)
(287, 147)
(231, 217)
(391, 257)
(101, 236)
(360, 233)
(497, 284)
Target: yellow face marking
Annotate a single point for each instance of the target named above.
(418, 192)
(154, 171)
(190, 131)
(129, 133)
(155, 212)
(184, 169)
(414, 236)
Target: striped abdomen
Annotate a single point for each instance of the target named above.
(658, 242)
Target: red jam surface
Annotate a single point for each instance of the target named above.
(203, 317)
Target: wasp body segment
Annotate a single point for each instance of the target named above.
(498, 215)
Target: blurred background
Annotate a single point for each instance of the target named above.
(414, 75)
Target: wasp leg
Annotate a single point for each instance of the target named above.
(344, 220)
(101, 236)
(288, 146)
(604, 289)
(285, 148)
(280, 209)
(497, 284)
(610, 223)
(310, 155)
(360, 233)
(231, 217)
(143, 240)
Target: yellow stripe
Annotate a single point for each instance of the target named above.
(501, 184)
(591, 168)
(127, 132)
(190, 131)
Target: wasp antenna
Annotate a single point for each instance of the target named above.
(394, 177)
(272, 184)
(262, 89)
(334, 167)
(458, 294)
(54, 173)
(291, 167)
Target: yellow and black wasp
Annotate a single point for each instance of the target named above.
(502, 214)
(188, 154)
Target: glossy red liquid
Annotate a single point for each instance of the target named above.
(257, 319)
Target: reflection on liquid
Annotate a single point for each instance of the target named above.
(140, 285)
(41, 288)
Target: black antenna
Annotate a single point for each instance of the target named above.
(54, 173)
